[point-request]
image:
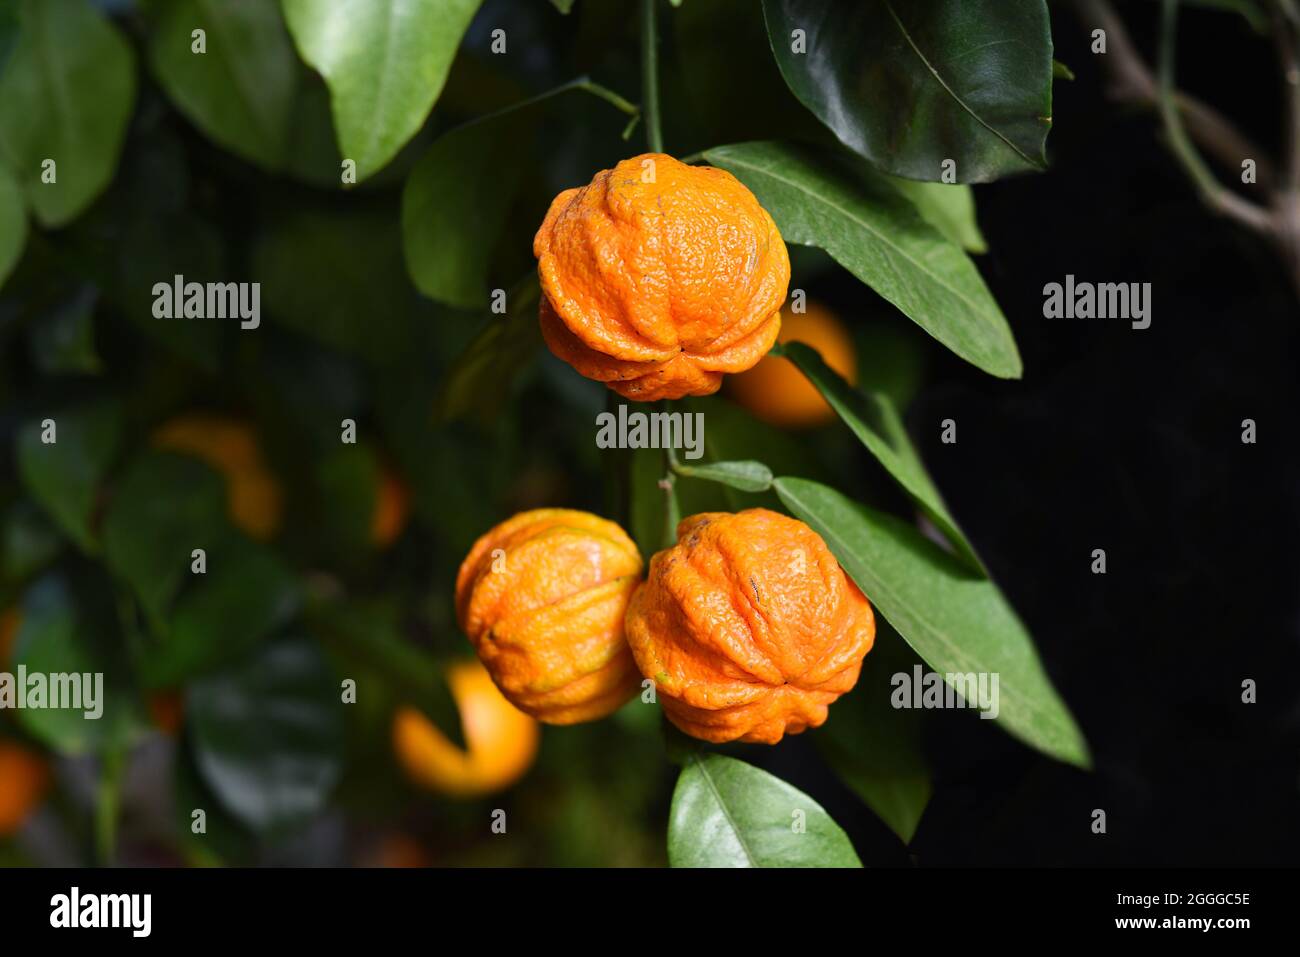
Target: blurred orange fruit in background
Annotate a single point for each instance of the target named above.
(230, 447)
(24, 777)
(777, 392)
(501, 741)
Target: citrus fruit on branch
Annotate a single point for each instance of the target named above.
(542, 598)
(658, 277)
(749, 627)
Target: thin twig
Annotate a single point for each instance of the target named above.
(650, 77)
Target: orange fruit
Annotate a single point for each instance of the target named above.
(777, 392)
(542, 598)
(501, 740)
(230, 447)
(24, 778)
(749, 627)
(166, 711)
(398, 850)
(392, 507)
(658, 277)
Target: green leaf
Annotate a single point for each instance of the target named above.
(246, 594)
(727, 813)
(949, 208)
(13, 224)
(367, 308)
(958, 622)
(28, 542)
(453, 206)
(876, 748)
(909, 85)
(564, 6)
(877, 424)
(1061, 72)
(347, 480)
(267, 734)
(65, 632)
(163, 507)
(747, 476)
(459, 194)
(63, 340)
(385, 62)
(870, 230)
(241, 92)
(68, 89)
(478, 383)
(64, 475)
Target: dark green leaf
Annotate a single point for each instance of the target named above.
(246, 594)
(347, 479)
(747, 476)
(385, 62)
(240, 92)
(876, 234)
(911, 84)
(454, 204)
(958, 622)
(479, 381)
(163, 508)
(726, 813)
(1061, 72)
(68, 89)
(67, 632)
(267, 734)
(64, 475)
(63, 340)
(876, 423)
(13, 224)
(28, 542)
(876, 748)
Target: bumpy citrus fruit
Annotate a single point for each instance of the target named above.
(542, 598)
(749, 627)
(658, 277)
(24, 778)
(777, 392)
(392, 506)
(501, 740)
(230, 447)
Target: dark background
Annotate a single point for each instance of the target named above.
(1129, 440)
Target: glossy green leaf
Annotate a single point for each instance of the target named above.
(241, 92)
(68, 89)
(64, 475)
(876, 234)
(13, 224)
(957, 621)
(726, 813)
(28, 541)
(385, 62)
(747, 476)
(67, 631)
(163, 507)
(876, 748)
(877, 424)
(267, 734)
(949, 208)
(910, 85)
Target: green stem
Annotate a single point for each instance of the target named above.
(650, 78)
(107, 804)
(672, 510)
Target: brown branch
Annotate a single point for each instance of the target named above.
(1132, 81)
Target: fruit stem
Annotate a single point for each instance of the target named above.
(106, 806)
(650, 78)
